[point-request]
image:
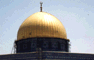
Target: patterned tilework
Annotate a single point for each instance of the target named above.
(48, 55)
(46, 44)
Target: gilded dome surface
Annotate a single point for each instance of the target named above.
(41, 24)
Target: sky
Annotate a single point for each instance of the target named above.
(77, 16)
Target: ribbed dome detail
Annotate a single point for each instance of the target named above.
(41, 24)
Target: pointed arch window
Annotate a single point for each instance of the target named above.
(54, 45)
(45, 44)
(24, 46)
(62, 46)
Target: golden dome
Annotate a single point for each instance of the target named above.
(41, 24)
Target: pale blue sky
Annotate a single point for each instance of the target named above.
(77, 16)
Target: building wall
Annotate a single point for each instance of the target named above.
(46, 44)
(48, 55)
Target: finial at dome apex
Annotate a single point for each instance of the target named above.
(41, 6)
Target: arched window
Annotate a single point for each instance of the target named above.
(24, 46)
(54, 45)
(62, 46)
(33, 45)
(45, 44)
(18, 47)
